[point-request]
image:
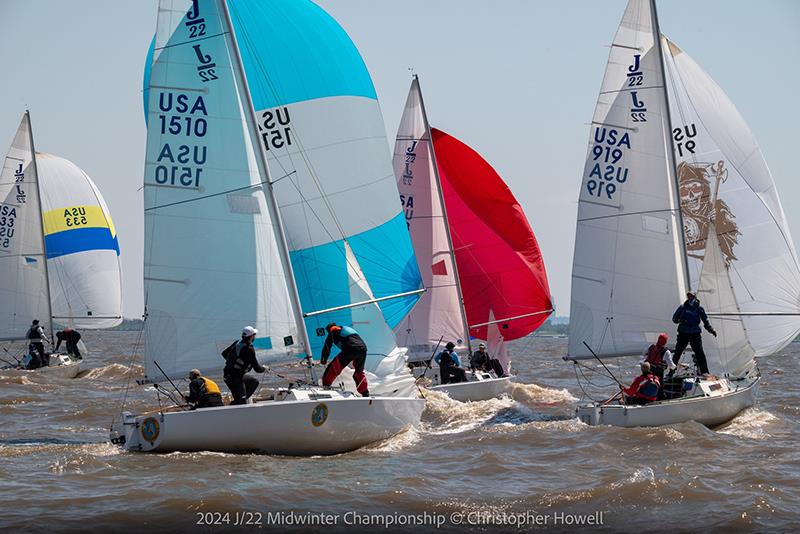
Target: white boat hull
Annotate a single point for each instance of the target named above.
(476, 390)
(310, 423)
(709, 410)
(61, 366)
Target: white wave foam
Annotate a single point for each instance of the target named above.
(535, 394)
(447, 416)
(752, 423)
(396, 443)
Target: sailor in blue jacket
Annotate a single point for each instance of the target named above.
(688, 317)
(450, 365)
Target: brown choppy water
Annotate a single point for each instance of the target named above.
(507, 460)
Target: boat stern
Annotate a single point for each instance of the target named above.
(140, 432)
(589, 414)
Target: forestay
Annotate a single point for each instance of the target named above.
(438, 314)
(322, 130)
(82, 247)
(628, 274)
(717, 151)
(24, 294)
(211, 258)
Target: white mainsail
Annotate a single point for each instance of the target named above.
(628, 271)
(438, 312)
(716, 149)
(212, 263)
(24, 293)
(82, 247)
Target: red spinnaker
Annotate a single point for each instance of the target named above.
(499, 262)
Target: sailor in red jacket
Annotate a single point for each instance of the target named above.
(644, 388)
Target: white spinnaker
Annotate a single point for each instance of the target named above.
(730, 352)
(438, 312)
(712, 141)
(627, 274)
(385, 367)
(211, 260)
(85, 285)
(24, 294)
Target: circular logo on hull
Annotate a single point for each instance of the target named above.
(319, 415)
(150, 429)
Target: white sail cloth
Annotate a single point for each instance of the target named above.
(82, 247)
(627, 275)
(716, 149)
(438, 312)
(211, 258)
(24, 295)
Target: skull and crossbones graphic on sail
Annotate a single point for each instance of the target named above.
(696, 188)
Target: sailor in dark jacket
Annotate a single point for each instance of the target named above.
(688, 317)
(450, 370)
(353, 349)
(240, 357)
(70, 337)
(203, 392)
(35, 337)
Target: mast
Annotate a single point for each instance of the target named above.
(672, 167)
(450, 249)
(41, 223)
(263, 169)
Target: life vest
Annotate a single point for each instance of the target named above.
(446, 359)
(648, 388)
(655, 356)
(209, 387)
(340, 333)
(234, 363)
(34, 334)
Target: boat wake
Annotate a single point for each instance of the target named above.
(444, 415)
(752, 423)
(535, 394)
(396, 443)
(112, 371)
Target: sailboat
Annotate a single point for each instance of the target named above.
(58, 249)
(477, 253)
(676, 195)
(281, 214)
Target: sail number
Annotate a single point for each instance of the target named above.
(275, 128)
(606, 173)
(8, 217)
(184, 120)
(75, 217)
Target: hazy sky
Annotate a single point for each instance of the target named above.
(515, 79)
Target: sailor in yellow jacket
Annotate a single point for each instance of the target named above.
(203, 392)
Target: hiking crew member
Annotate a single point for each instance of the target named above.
(688, 317)
(240, 357)
(35, 337)
(450, 366)
(203, 392)
(70, 337)
(659, 358)
(481, 361)
(644, 388)
(353, 349)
